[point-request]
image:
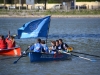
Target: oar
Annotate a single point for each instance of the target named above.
(20, 56)
(84, 58)
(85, 54)
(70, 49)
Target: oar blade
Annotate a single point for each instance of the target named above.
(17, 60)
(14, 62)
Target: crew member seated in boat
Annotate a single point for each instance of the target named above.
(57, 44)
(53, 49)
(37, 47)
(62, 45)
(10, 42)
(45, 47)
(3, 44)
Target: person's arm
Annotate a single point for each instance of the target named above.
(8, 35)
(7, 39)
(31, 47)
(50, 48)
(47, 49)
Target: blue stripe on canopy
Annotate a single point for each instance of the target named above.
(36, 28)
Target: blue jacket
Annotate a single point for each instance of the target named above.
(37, 47)
(45, 48)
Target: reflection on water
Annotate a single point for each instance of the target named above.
(81, 33)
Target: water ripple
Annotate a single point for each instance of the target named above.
(75, 35)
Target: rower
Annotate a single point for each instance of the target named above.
(10, 41)
(45, 47)
(57, 44)
(37, 47)
(53, 49)
(62, 46)
(3, 44)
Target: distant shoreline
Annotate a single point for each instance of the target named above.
(58, 16)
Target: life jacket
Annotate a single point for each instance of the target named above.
(62, 46)
(53, 50)
(37, 47)
(3, 44)
(45, 48)
(57, 47)
(10, 44)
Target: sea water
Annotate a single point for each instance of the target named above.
(83, 34)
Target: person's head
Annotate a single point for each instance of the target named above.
(42, 42)
(53, 43)
(60, 41)
(39, 40)
(57, 42)
(1, 37)
(11, 38)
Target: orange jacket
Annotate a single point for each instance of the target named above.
(3, 44)
(10, 44)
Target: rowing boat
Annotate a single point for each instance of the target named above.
(11, 52)
(36, 57)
